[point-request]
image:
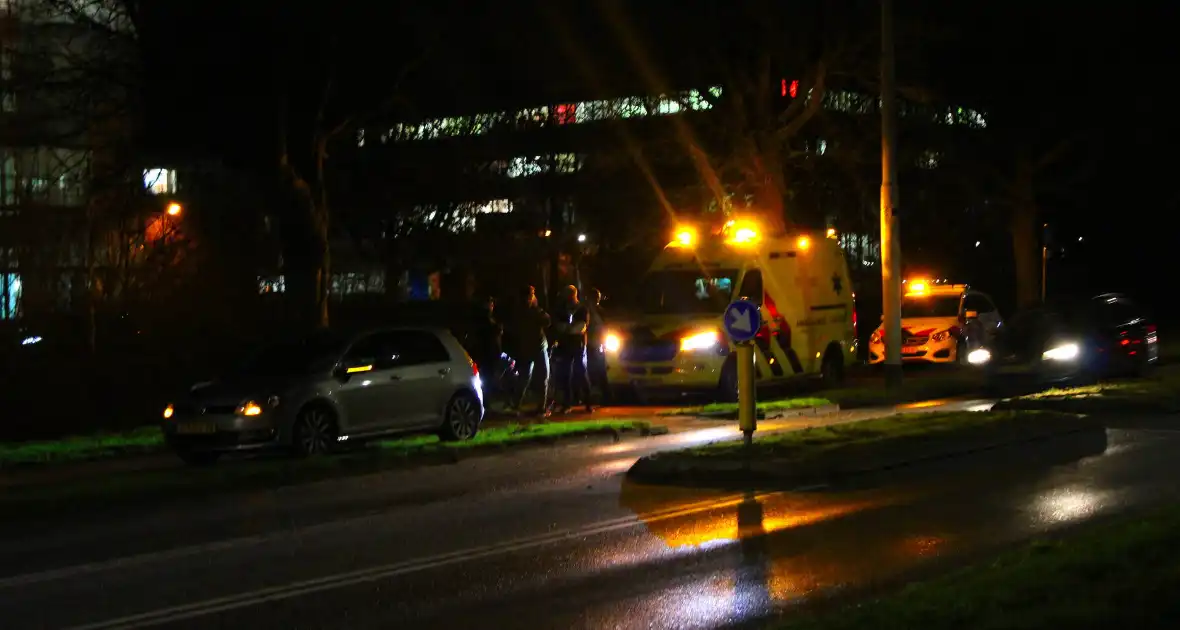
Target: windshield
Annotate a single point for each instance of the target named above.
(687, 292)
(930, 306)
(292, 357)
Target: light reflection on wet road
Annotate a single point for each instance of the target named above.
(595, 551)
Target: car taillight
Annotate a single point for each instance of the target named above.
(1151, 329)
(474, 369)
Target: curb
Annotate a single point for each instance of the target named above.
(728, 473)
(1069, 405)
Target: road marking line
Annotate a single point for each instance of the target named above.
(119, 563)
(373, 574)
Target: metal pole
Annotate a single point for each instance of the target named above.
(1044, 269)
(890, 241)
(747, 395)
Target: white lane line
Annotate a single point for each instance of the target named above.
(384, 572)
(122, 563)
(224, 545)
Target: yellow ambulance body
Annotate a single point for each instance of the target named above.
(677, 342)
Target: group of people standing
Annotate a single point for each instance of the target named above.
(565, 347)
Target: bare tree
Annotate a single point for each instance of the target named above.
(1026, 175)
(758, 139)
(322, 100)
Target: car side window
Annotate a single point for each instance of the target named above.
(417, 348)
(365, 351)
(1122, 312)
(751, 288)
(978, 303)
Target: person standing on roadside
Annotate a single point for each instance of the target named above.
(596, 348)
(532, 350)
(570, 353)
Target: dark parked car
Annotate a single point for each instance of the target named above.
(1074, 341)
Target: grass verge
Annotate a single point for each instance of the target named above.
(254, 474)
(1116, 575)
(1159, 393)
(82, 447)
(815, 442)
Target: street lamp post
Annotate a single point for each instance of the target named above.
(890, 242)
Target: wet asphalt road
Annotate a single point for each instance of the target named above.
(555, 538)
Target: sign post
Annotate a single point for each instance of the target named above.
(742, 321)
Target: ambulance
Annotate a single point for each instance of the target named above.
(941, 323)
(676, 342)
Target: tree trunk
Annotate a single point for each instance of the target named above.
(1026, 254)
(321, 221)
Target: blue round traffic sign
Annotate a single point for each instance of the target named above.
(742, 320)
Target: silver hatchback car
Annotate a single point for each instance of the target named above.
(309, 394)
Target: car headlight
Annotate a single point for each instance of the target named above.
(1063, 352)
(256, 407)
(168, 411)
(979, 356)
(699, 341)
(612, 343)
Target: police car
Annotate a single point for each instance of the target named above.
(940, 323)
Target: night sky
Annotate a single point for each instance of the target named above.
(1096, 72)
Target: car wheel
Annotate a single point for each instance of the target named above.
(832, 370)
(462, 419)
(315, 431)
(197, 458)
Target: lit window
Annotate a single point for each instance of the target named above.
(10, 290)
(160, 181)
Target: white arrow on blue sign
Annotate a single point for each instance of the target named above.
(742, 320)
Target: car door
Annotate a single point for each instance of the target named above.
(989, 315)
(986, 320)
(421, 376)
(367, 373)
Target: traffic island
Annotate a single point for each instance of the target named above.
(1115, 575)
(819, 455)
(954, 383)
(767, 410)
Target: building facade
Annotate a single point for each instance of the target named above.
(558, 169)
(65, 117)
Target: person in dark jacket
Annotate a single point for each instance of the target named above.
(531, 350)
(570, 354)
(596, 349)
(490, 335)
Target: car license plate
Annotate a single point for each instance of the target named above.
(196, 428)
(1013, 369)
(642, 382)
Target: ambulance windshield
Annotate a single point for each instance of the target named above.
(685, 292)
